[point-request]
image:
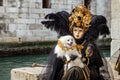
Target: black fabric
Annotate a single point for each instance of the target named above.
(73, 57)
(98, 27)
(74, 73)
(95, 61)
(55, 67)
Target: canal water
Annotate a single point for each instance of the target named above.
(8, 63)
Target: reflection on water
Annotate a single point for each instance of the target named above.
(106, 52)
(8, 63)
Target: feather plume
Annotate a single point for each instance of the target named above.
(58, 22)
(98, 27)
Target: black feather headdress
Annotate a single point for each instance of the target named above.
(58, 22)
(61, 22)
(98, 27)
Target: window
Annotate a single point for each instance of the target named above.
(87, 3)
(1, 2)
(46, 3)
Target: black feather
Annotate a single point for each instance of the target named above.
(58, 22)
(98, 27)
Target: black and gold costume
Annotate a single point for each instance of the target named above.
(94, 25)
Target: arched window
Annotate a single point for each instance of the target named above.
(46, 3)
(1, 2)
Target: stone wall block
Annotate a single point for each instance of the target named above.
(42, 15)
(32, 5)
(12, 4)
(12, 10)
(47, 11)
(23, 33)
(12, 27)
(23, 15)
(36, 27)
(115, 46)
(23, 20)
(22, 26)
(40, 1)
(33, 0)
(69, 7)
(60, 1)
(2, 9)
(25, 4)
(35, 11)
(20, 21)
(11, 20)
(34, 16)
(13, 15)
(38, 21)
(115, 29)
(1, 21)
(9, 39)
(38, 5)
(23, 10)
(30, 21)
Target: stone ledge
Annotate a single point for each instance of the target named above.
(28, 73)
(36, 72)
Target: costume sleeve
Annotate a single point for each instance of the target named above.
(55, 67)
(93, 55)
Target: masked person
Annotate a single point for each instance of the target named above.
(85, 28)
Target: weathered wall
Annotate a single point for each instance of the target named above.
(102, 7)
(20, 20)
(115, 26)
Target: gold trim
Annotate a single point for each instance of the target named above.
(60, 44)
(81, 17)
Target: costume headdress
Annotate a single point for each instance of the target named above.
(80, 17)
(62, 22)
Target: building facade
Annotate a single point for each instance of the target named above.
(115, 26)
(20, 20)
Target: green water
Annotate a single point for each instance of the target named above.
(8, 63)
(106, 52)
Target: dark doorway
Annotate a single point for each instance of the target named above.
(1, 2)
(46, 4)
(87, 3)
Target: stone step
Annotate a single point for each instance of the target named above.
(28, 73)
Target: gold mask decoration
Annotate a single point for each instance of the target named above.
(81, 17)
